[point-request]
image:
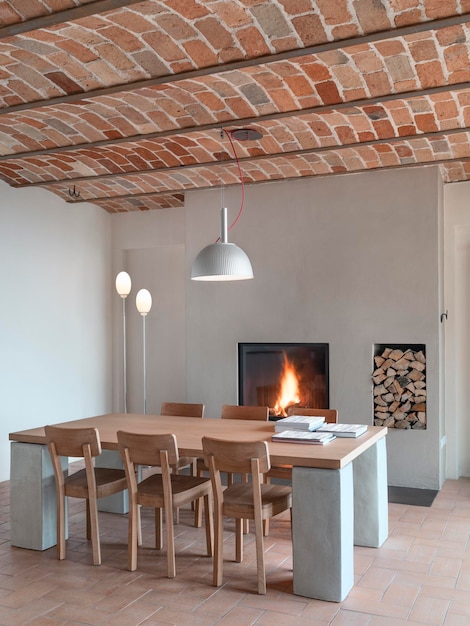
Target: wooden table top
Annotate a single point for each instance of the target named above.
(189, 432)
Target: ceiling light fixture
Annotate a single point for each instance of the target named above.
(222, 260)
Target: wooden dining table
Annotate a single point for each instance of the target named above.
(339, 489)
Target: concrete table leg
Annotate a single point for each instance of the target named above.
(32, 497)
(322, 532)
(371, 496)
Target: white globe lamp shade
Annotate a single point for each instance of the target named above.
(123, 284)
(143, 301)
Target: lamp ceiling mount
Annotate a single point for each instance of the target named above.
(246, 134)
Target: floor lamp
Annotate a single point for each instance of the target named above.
(143, 302)
(123, 287)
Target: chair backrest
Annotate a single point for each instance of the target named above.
(330, 415)
(236, 457)
(145, 449)
(184, 409)
(72, 441)
(235, 412)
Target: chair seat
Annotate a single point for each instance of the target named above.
(108, 482)
(238, 500)
(184, 489)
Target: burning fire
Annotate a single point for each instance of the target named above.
(289, 392)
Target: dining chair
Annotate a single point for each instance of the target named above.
(232, 411)
(185, 409)
(164, 491)
(89, 483)
(251, 500)
(285, 471)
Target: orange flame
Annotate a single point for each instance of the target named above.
(289, 393)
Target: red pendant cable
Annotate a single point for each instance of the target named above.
(242, 204)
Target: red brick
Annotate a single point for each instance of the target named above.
(252, 41)
(201, 53)
(378, 83)
(328, 92)
(423, 50)
(437, 8)
(372, 15)
(384, 129)
(316, 71)
(190, 9)
(310, 29)
(345, 134)
(426, 123)
(430, 74)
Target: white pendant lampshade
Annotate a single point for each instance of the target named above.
(123, 284)
(222, 260)
(143, 301)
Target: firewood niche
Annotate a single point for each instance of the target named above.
(400, 386)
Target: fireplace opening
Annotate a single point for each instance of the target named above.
(283, 375)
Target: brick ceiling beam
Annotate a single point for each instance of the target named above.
(338, 44)
(250, 159)
(242, 122)
(171, 192)
(60, 17)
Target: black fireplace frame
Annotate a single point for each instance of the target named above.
(321, 348)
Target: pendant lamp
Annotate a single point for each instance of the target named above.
(222, 260)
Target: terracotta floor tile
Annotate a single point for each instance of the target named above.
(421, 575)
(429, 611)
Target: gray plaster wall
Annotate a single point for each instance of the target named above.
(350, 260)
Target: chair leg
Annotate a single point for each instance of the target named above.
(92, 505)
(198, 513)
(238, 540)
(60, 526)
(158, 529)
(208, 520)
(88, 523)
(266, 527)
(260, 555)
(218, 546)
(133, 533)
(170, 541)
(139, 526)
(197, 503)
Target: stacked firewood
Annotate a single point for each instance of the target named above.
(400, 389)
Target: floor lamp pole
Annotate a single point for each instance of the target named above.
(123, 287)
(143, 302)
(144, 363)
(124, 354)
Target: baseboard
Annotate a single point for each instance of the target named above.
(410, 495)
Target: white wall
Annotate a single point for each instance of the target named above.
(350, 260)
(457, 360)
(55, 339)
(150, 247)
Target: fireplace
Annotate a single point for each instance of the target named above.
(283, 375)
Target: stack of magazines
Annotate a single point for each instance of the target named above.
(299, 422)
(303, 436)
(301, 429)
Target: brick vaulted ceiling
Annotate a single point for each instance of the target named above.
(128, 104)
